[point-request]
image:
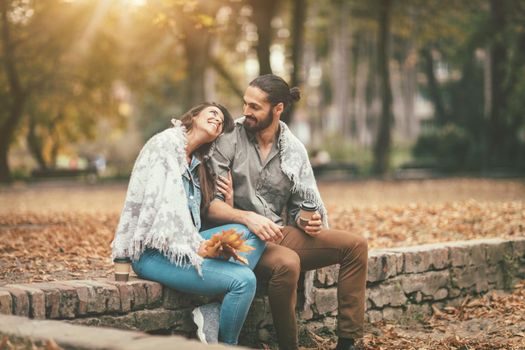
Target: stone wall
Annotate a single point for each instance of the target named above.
(402, 283)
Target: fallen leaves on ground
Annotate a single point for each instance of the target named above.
(416, 223)
(44, 247)
(47, 243)
(493, 321)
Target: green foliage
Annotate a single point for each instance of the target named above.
(447, 147)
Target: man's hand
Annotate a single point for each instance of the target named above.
(225, 186)
(314, 226)
(263, 227)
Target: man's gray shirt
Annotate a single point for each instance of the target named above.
(259, 185)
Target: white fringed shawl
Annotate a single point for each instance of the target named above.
(155, 213)
(295, 164)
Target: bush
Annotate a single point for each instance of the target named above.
(448, 147)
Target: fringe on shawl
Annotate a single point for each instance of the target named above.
(177, 254)
(308, 191)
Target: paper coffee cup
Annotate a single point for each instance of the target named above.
(308, 209)
(122, 269)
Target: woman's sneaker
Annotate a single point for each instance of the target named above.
(206, 317)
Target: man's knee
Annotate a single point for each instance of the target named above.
(288, 265)
(361, 244)
(355, 247)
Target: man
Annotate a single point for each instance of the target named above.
(271, 173)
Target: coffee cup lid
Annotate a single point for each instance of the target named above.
(121, 260)
(308, 206)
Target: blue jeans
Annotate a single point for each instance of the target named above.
(236, 281)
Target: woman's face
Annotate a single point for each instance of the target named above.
(210, 120)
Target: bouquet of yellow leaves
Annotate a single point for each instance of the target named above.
(227, 244)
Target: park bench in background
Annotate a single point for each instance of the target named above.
(89, 174)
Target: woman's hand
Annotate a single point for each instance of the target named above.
(203, 249)
(208, 249)
(225, 186)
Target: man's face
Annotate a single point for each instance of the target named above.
(257, 109)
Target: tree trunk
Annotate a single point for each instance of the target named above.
(383, 141)
(35, 144)
(263, 13)
(362, 60)
(17, 95)
(498, 59)
(433, 87)
(299, 16)
(197, 47)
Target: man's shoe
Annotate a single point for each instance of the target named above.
(206, 317)
(345, 344)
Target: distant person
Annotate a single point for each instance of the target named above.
(170, 186)
(271, 174)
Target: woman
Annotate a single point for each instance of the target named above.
(170, 186)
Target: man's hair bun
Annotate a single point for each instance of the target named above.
(295, 93)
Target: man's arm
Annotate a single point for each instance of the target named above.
(263, 227)
(220, 211)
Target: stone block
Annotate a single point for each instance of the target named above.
(52, 297)
(20, 300)
(383, 265)
(454, 292)
(440, 294)
(423, 257)
(325, 300)
(68, 300)
(427, 283)
(109, 293)
(466, 253)
(159, 319)
(144, 320)
(497, 250)
(392, 314)
(518, 247)
(327, 276)
(390, 293)
(417, 312)
(173, 299)
(470, 278)
(374, 316)
(496, 276)
(82, 296)
(6, 302)
(37, 300)
(259, 314)
(306, 313)
(154, 293)
(97, 297)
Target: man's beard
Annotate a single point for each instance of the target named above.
(259, 125)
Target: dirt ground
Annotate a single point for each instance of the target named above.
(62, 230)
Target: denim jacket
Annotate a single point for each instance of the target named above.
(190, 180)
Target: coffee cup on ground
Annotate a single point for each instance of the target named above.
(308, 209)
(122, 269)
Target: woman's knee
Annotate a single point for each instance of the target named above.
(245, 280)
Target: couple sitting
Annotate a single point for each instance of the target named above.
(185, 171)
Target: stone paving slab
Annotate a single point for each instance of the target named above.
(94, 338)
